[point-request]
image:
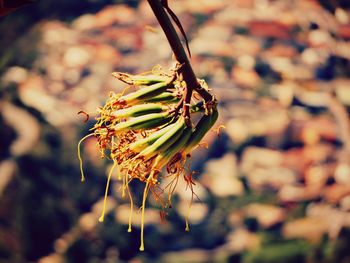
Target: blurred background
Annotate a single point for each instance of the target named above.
(273, 187)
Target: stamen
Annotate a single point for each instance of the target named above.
(123, 186)
(131, 207)
(106, 193)
(87, 116)
(219, 129)
(142, 246)
(79, 156)
(187, 228)
(190, 184)
(145, 192)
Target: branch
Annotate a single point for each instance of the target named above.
(180, 54)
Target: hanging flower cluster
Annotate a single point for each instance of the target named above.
(149, 134)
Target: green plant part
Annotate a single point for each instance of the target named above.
(148, 133)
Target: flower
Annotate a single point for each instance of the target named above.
(147, 130)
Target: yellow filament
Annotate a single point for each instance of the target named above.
(79, 156)
(187, 215)
(131, 207)
(119, 174)
(106, 193)
(124, 186)
(145, 192)
(142, 246)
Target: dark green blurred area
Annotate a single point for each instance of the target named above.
(42, 205)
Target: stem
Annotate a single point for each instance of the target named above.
(180, 54)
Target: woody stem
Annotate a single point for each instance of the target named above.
(180, 55)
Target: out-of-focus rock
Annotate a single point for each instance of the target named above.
(89, 85)
(85, 22)
(71, 76)
(269, 29)
(7, 171)
(63, 113)
(97, 208)
(195, 214)
(56, 33)
(275, 177)
(55, 71)
(238, 18)
(221, 176)
(299, 158)
(241, 240)
(254, 157)
(280, 50)
(313, 93)
(342, 91)
(246, 62)
(126, 39)
(186, 256)
(61, 245)
(310, 135)
(199, 6)
(267, 215)
(342, 49)
(342, 173)
(237, 130)
(313, 57)
(345, 203)
(245, 77)
(204, 46)
(15, 75)
(308, 228)
(332, 217)
(52, 258)
(26, 126)
(67, 239)
(214, 68)
(335, 192)
(236, 218)
(257, 122)
(76, 56)
(248, 4)
(150, 40)
(319, 38)
(106, 54)
(292, 193)
(243, 45)
(344, 31)
(342, 16)
(290, 70)
(122, 212)
(88, 222)
(313, 130)
(316, 176)
(284, 92)
(121, 14)
(214, 31)
(112, 255)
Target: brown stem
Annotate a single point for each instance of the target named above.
(179, 52)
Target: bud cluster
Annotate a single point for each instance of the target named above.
(149, 129)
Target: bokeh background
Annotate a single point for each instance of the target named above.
(273, 187)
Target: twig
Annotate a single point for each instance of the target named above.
(180, 55)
